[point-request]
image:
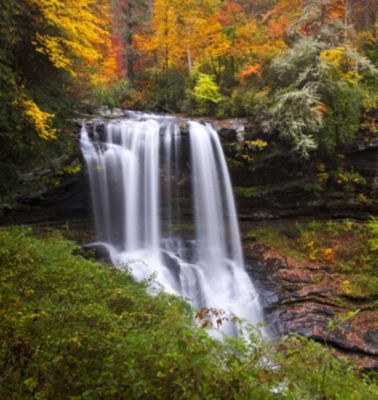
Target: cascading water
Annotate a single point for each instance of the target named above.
(138, 171)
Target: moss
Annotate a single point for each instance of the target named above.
(183, 227)
(346, 246)
(247, 192)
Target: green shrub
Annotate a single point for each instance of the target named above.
(202, 96)
(320, 94)
(343, 117)
(116, 94)
(316, 374)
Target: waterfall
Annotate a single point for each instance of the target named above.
(163, 206)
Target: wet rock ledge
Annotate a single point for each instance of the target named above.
(303, 297)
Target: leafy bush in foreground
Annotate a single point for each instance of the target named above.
(71, 328)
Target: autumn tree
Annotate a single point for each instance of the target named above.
(70, 31)
(48, 49)
(324, 82)
(130, 18)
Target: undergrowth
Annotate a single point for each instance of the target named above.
(72, 328)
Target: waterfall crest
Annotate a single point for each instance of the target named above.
(163, 205)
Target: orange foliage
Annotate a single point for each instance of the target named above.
(336, 9)
(183, 31)
(321, 106)
(107, 69)
(268, 38)
(230, 14)
(199, 31)
(254, 69)
(326, 13)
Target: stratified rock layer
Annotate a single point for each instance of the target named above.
(303, 297)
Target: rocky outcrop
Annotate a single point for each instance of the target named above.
(67, 201)
(308, 299)
(51, 187)
(286, 186)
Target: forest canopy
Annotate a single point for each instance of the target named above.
(309, 68)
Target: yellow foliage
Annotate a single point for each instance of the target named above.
(366, 37)
(40, 119)
(200, 32)
(322, 175)
(71, 30)
(344, 68)
(183, 30)
(53, 48)
(329, 255)
(334, 56)
(352, 76)
(167, 38)
(258, 144)
(342, 179)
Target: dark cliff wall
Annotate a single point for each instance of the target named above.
(272, 183)
(275, 183)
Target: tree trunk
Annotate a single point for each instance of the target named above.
(190, 62)
(166, 77)
(150, 9)
(129, 42)
(347, 22)
(366, 13)
(130, 58)
(250, 9)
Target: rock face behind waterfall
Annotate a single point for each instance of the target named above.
(275, 184)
